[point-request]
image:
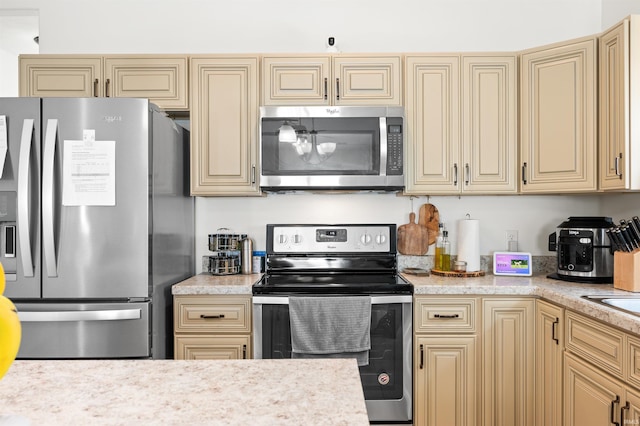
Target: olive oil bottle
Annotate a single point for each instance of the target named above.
(443, 255)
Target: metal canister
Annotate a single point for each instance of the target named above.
(247, 255)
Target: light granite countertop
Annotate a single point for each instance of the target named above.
(168, 392)
(563, 293)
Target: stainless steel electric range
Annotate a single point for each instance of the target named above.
(342, 261)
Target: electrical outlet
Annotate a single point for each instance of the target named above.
(512, 240)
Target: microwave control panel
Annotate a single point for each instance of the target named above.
(395, 143)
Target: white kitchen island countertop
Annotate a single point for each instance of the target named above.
(168, 392)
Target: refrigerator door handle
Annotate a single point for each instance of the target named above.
(47, 197)
(104, 315)
(23, 198)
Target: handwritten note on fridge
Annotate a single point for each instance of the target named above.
(89, 173)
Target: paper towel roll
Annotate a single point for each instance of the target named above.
(469, 243)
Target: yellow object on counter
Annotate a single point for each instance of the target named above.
(10, 330)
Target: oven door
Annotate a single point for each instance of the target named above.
(386, 381)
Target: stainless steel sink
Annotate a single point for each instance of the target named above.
(630, 303)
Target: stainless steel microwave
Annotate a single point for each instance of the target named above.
(331, 148)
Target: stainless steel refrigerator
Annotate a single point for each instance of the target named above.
(96, 224)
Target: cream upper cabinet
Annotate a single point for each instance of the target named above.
(508, 361)
(462, 124)
(619, 68)
(160, 78)
(549, 349)
(332, 80)
(61, 76)
(224, 132)
(558, 120)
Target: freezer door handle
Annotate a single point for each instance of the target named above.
(47, 197)
(103, 315)
(23, 198)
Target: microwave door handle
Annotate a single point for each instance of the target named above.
(23, 198)
(383, 146)
(47, 197)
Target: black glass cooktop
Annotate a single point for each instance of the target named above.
(332, 284)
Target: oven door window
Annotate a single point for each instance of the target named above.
(382, 378)
(322, 146)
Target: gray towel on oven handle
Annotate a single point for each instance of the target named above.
(332, 326)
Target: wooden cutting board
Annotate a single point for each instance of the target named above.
(413, 239)
(429, 217)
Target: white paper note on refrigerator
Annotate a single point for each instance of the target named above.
(3, 142)
(89, 173)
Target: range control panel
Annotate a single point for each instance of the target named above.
(331, 238)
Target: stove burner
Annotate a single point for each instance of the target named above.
(323, 284)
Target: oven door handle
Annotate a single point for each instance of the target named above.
(375, 300)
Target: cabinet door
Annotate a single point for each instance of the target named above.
(559, 118)
(162, 79)
(508, 362)
(630, 412)
(549, 348)
(55, 76)
(619, 93)
(432, 113)
(212, 347)
(367, 80)
(489, 124)
(299, 80)
(224, 114)
(591, 398)
(445, 381)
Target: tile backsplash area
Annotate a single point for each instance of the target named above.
(541, 264)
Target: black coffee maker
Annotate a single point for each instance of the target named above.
(584, 250)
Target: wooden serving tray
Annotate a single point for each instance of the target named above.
(457, 274)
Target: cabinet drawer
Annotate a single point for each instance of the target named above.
(213, 347)
(596, 342)
(212, 314)
(447, 315)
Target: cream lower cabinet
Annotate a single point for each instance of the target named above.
(601, 366)
(212, 327)
(558, 118)
(462, 124)
(446, 376)
(160, 78)
(619, 78)
(594, 398)
(508, 361)
(549, 346)
(224, 125)
(338, 79)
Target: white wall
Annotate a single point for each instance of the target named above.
(616, 10)
(199, 26)
(17, 30)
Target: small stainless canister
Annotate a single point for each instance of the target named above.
(247, 255)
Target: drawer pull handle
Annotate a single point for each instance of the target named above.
(613, 409)
(626, 407)
(203, 316)
(443, 316)
(554, 330)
